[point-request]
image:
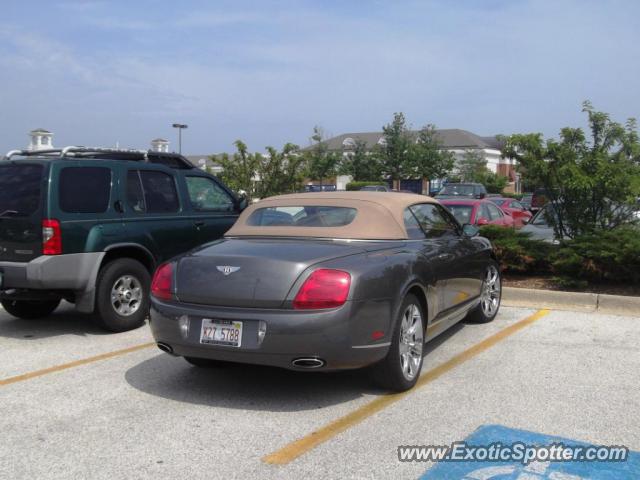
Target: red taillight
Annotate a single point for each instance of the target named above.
(51, 237)
(162, 283)
(323, 289)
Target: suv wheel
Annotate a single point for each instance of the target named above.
(30, 310)
(122, 295)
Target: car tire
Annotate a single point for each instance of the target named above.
(205, 362)
(400, 369)
(490, 296)
(30, 310)
(122, 295)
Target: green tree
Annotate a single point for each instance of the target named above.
(394, 152)
(280, 171)
(473, 166)
(239, 170)
(428, 159)
(592, 183)
(361, 165)
(494, 183)
(321, 163)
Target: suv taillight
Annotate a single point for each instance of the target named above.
(162, 283)
(324, 288)
(51, 237)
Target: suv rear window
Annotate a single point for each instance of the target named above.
(20, 189)
(307, 216)
(85, 189)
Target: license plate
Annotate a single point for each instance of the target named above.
(221, 332)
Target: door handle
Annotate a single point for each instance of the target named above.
(445, 256)
(199, 224)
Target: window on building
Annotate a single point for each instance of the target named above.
(85, 189)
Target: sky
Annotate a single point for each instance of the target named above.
(102, 73)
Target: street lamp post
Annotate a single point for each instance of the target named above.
(180, 126)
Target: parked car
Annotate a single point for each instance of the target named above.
(375, 188)
(320, 188)
(526, 200)
(91, 225)
(478, 212)
(539, 199)
(513, 207)
(539, 227)
(458, 190)
(342, 281)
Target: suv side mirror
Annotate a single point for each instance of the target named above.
(470, 230)
(242, 202)
(482, 221)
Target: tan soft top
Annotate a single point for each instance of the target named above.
(379, 215)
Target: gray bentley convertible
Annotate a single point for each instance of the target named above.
(326, 281)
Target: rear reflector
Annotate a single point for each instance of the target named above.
(162, 283)
(51, 237)
(324, 288)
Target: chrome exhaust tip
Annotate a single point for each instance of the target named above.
(308, 363)
(165, 347)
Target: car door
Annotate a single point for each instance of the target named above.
(213, 208)
(449, 254)
(498, 217)
(154, 215)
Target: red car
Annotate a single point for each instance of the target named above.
(478, 212)
(514, 208)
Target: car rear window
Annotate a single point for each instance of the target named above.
(452, 189)
(20, 189)
(462, 213)
(85, 189)
(302, 216)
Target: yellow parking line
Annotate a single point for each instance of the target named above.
(301, 446)
(77, 363)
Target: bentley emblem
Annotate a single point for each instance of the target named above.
(227, 270)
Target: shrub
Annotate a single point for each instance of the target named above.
(517, 253)
(612, 256)
(359, 185)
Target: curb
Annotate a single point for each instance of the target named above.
(576, 301)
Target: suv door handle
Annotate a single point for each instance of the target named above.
(199, 224)
(445, 256)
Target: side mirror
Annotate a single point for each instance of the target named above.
(242, 202)
(470, 230)
(482, 221)
(482, 195)
(525, 220)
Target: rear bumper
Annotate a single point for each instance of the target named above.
(337, 337)
(56, 272)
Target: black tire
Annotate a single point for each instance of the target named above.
(388, 373)
(30, 310)
(480, 314)
(205, 362)
(107, 315)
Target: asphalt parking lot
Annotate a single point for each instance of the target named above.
(79, 403)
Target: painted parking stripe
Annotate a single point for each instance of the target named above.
(77, 363)
(547, 470)
(299, 447)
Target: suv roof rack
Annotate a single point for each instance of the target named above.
(173, 160)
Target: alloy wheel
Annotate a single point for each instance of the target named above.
(126, 295)
(491, 290)
(411, 342)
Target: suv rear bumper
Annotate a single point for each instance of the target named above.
(75, 272)
(53, 272)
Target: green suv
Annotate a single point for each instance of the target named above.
(91, 225)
